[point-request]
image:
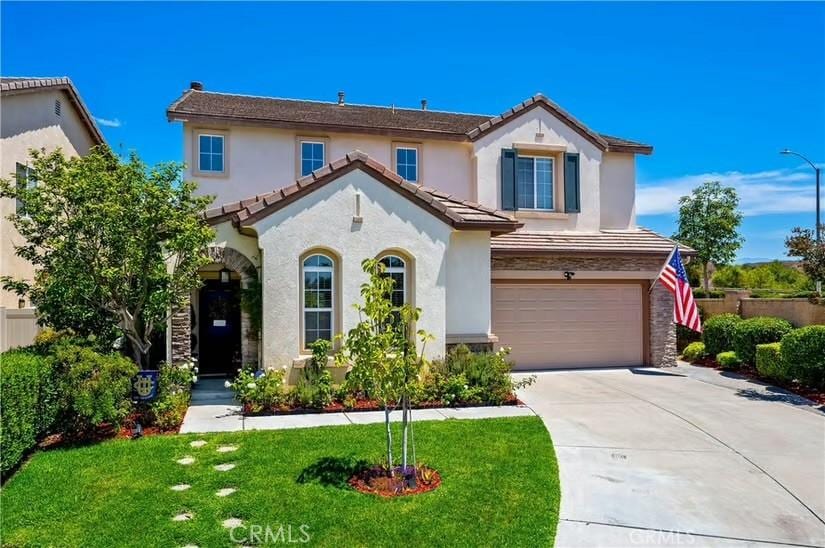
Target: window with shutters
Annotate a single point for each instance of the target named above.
(534, 182)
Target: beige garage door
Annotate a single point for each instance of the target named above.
(564, 325)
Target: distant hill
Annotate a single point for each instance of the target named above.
(757, 261)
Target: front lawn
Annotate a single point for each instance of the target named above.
(500, 487)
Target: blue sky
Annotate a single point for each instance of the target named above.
(718, 89)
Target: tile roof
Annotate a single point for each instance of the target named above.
(197, 105)
(604, 242)
(12, 85)
(460, 214)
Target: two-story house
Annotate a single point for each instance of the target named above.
(42, 114)
(513, 230)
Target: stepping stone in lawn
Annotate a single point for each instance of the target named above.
(224, 467)
(186, 461)
(197, 443)
(186, 516)
(227, 448)
(180, 487)
(225, 492)
(231, 523)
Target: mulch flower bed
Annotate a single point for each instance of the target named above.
(365, 405)
(376, 481)
(750, 372)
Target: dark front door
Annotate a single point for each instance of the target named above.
(220, 328)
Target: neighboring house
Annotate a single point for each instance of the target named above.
(513, 230)
(35, 113)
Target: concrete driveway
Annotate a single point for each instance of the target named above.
(685, 456)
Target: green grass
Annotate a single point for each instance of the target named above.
(500, 488)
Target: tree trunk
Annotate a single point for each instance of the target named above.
(705, 278)
(404, 413)
(389, 437)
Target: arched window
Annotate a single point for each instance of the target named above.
(318, 272)
(396, 268)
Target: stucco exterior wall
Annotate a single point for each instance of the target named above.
(28, 121)
(617, 191)
(468, 282)
(262, 159)
(525, 129)
(324, 220)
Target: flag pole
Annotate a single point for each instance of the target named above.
(659, 275)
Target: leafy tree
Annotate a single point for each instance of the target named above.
(113, 243)
(801, 243)
(772, 275)
(708, 222)
(385, 360)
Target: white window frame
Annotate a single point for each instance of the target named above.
(301, 144)
(417, 162)
(211, 154)
(29, 183)
(552, 161)
(330, 309)
(397, 270)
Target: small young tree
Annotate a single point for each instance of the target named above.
(801, 243)
(384, 358)
(709, 223)
(113, 243)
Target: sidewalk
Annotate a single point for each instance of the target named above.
(208, 417)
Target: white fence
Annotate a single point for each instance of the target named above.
(18, 327)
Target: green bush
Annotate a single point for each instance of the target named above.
(174, 394)
(769, 362)
(261, 390)
(469, 377)
(728, 360)
(717, 333)
(95, 389)
(685, 336)
(759, 330)
(694, 351)
(30, 404)
(804, 352)
(699, 293)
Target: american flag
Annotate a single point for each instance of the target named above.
(675, 279)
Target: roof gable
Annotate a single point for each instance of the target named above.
(460, 214)
(18, 85)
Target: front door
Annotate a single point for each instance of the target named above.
(219, 335)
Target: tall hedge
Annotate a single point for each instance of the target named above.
(804, 352)
(717, 333)
(759, 330)
(30, 404)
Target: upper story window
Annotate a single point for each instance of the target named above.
(211, 153)
(396, 269)
(312, 156)
(406, 162)
(318, 272)
(534, 182)
(25, 180)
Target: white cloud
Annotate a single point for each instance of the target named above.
(108, 123)
(762, 192)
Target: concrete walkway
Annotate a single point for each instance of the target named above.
(214, 410)
(683, 456)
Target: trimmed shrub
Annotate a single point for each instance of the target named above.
(30, 404)
(760, 330)
(174, 394)
(699, 293)
(718, 333)
(95, 389)
(804, 352)
(769, 362)
(728, 360)
(694, 351)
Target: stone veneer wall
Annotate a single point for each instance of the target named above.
(662, 331)
(181, 324)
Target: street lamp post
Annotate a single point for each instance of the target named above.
(818, 226)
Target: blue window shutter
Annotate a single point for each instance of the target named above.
(572, 190)
(508, 179)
